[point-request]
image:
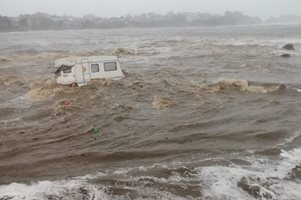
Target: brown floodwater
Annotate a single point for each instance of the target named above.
(203, 113)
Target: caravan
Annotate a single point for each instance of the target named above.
(81, 70)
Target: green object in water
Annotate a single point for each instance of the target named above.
(95, 130)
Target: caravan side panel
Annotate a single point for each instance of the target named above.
(109, 69)
(82, 73)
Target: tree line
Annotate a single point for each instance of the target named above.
(42, 21)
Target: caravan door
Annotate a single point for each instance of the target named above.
(82, 73)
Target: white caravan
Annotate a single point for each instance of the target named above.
(81, 70)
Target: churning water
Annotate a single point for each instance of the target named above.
(203, 113)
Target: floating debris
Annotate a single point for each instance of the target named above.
(161, 103)
(289, 47)
(123, 51)
(285, 55)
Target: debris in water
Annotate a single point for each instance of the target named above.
(161, 103)
(62, 106)
(67, 102)
(244, 85)
(95, 130)
(254, 189)
(295, 173)
(122, 51)
(285, 55)
(77, 70)
(2, 59)
(289, 47)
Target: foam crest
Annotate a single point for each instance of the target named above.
(69, 190)
(46, 88)
(244, 86)
(265, 179)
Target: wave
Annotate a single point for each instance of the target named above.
(244, 86)
(12, 80)
(47, 88)
(124, 51)
(161, 103)
(264, 179)
(261, 178)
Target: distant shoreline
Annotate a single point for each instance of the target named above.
(43, 21)
(47, 22)
(165, 27)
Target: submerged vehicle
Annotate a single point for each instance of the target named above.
(81, 70)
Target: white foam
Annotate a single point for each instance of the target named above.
(70, 189)
(290, 139)
(292, 156)
(216, 182)
(40, 190)
(221, 182)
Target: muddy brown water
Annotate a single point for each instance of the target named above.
(203, 113)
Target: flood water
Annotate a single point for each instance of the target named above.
(203, 113)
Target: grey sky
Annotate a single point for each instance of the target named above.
(112, 8)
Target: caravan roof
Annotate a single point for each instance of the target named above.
(70, 61)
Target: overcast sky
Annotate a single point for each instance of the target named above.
(113, 8)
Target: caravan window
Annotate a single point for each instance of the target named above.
(95, 68)
(110, 66)
(67, 71)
